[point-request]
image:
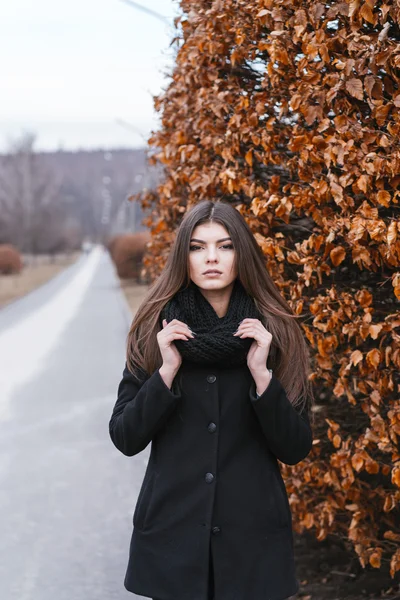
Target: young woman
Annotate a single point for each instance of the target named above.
(216, 378)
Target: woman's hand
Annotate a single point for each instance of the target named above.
(259, 350)
(174, 330)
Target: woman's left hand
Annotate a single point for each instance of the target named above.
(259, 350)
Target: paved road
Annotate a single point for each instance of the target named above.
(66, 494)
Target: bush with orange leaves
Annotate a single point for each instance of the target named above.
(290, 110)
(127, 253)
(110, 243)
(10, 260)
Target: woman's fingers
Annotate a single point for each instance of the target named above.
(176, 329)
(180, 329)
(176, 325)
(253, 329)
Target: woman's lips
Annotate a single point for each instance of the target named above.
(213, 274)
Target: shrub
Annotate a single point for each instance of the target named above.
(110, 244)
(10, 260)
(290, 110)
(127, 253)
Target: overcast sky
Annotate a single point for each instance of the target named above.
(70, 71)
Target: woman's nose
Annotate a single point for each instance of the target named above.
(211, 255)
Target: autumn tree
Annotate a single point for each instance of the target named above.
(290, 111)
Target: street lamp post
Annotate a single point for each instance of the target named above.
(149, 11)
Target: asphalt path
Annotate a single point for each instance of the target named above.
(66, 494)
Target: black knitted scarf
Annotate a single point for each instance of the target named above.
(214, 343)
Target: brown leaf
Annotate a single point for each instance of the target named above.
(372, 467)
(369, 82)
(396, 476)
(312, 114)
(339, 390)
(374, 357)
(362, 183)
(356, 357)
(384, 33)
(353, 7)
(367, 14)
(357, 461)
(337, 255)
(375, 397)
(392, 233)
(295, 101)
(375, 558)
(337, 440)
(381, 113)
(383, 197)
(374, 330)
(384, 141)
(332, 424)
(249, 157)
(308, 520)
(391, 535)
(337, 192)
(355, 88)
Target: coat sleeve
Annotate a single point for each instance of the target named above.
(141, 409)
(288, 433)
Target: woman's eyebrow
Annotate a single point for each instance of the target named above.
(203, 242)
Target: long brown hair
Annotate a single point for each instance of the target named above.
(289, 355)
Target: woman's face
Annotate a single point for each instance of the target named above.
(211, 248)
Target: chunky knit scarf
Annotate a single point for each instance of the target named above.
(214, 343)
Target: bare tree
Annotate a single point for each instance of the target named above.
(50, 201)
(30, 217)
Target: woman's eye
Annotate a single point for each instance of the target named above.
(226, 246)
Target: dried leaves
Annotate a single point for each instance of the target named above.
(291, 111)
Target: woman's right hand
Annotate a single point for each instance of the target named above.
(174, 330)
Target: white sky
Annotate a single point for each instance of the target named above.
(71, 69)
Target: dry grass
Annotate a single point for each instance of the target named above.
(134, 293)
(36, 272)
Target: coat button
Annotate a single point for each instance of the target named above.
(211, 378)
(212, 427)
(216, 530)
(209, 477)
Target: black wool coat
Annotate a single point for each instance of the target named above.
(212, 483)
